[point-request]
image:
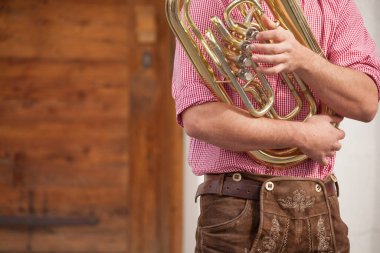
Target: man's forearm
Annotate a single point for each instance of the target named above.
(231, 128)
(348, 92)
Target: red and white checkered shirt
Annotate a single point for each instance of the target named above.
(340, 31)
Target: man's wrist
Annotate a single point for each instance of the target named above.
(311, 61)
(297, 134)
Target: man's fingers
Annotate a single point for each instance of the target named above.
(270, 48)
(331, 154)
(274, 35)
(336, 119)
(342, 134)
(269, 24)
(331, 118)
(337, 146)
(272, 59)
(271, 70)
(325, 161)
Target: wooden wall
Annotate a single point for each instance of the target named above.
(90, 154)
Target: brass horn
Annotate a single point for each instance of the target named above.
(230, 54)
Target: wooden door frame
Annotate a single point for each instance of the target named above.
(156, 165)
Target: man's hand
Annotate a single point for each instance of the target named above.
(348, 92)
(320, 138)
(285, 53)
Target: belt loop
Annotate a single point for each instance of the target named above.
(221, 183)
(199, 189)
(198, 193)
(337, 188)
(335, 180)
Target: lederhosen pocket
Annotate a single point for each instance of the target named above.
(226, 224)
(294, 217)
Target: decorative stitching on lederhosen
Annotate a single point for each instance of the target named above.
(309, 235)
(323, 238)
(269, 243)
(285, 241)
(298, 201)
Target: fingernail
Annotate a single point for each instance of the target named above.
(258, 36)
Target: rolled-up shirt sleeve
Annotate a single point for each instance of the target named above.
(188, 88)
(352, 45)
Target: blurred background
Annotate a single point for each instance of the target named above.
(91, 158)
(90, 153)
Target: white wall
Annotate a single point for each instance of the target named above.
(357, 172)
(191, 209)
(357, 168)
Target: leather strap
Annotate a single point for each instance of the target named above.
(245, 188)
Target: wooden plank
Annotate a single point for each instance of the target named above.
(46, 73)
(79, 162)
(80, 200)
(59, 29)
(108, 236)
(70, 131)
(87, 151)
(102, 241)
(105, 110)
(13, 241)
(64, 200)
(85, 156)
(12, 201)
(53, 174)
(51, 91)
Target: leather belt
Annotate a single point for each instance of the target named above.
(243, 187)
